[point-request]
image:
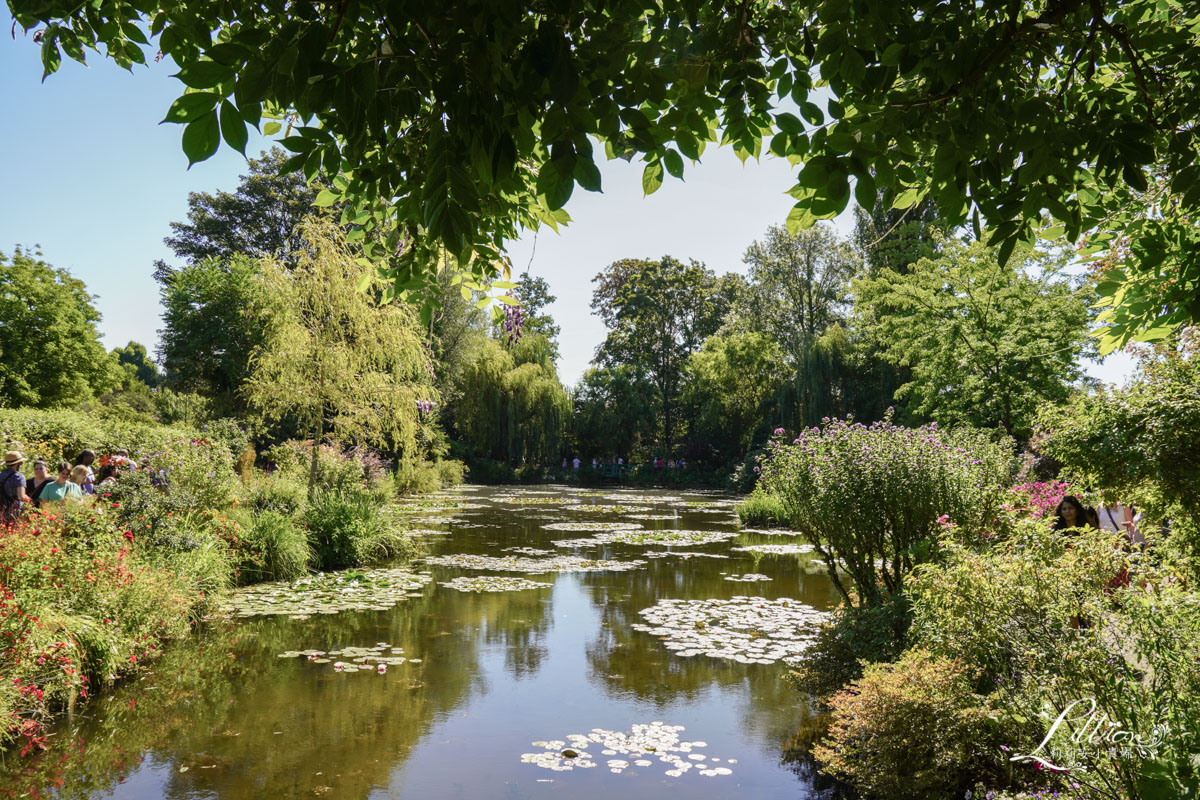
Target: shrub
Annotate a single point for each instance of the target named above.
(347, 529)
(273, 548)
(450, 472)
(416, 477)
(762, 508)
(853, 636)
(1051, 619)
(79, 601)
(1141, 446)
(913, 729)
(280, 493)
(871, 499)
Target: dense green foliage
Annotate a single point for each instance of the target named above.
(512, 407)
(657, 314)
(333, 359)
(1141, 445)
(259, 219)
(50, 351)
(987, 345)
(209, 327)
(872, 498)
(452, 128)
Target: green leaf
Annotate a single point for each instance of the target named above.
(800, 218)
(272, 128)
(191, 106)
(51, 58)
(909, 197)
(674, 163)
(892, 54)
(364, 282)
(587, 174)
(201, 138)
(204, 74)
(326, 198)
(789, 123)
(233, 127)
(508, 301)
(652, 177)
(484, 302)
(812, 112)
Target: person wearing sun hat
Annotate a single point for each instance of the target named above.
(12, 487)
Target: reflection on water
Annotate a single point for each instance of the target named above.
(222, 716)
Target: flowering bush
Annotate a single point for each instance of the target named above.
(80, 603)
(1038, 499)
(872, 498)
(1040, 616)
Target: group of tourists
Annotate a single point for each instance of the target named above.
(1115, 518)
(69, 482)
(619, 463)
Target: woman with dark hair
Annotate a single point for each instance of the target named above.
(1070, 514)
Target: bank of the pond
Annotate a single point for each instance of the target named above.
(538, 615)
(90, 592)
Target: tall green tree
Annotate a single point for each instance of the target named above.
(988, 344)
(511, 405)
(258, 219)
(613, 412)
(137, 359)
(210, 327)
(730, 381)
(333, 359)
(455, 125)
(50, 351)
(658, 313)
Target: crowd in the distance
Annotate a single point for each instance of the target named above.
(68, 483)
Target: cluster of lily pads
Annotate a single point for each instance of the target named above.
(652, 517)
(776, 549)
(527, 551)
(592, 526)
(642, 744)
(666, 537)
(519, 500)
(327, 593)
(750, 630)
(492, 583)
(532, 566)
(684, 554)
(584, 508)
(749, 577)
(772, 531)
(642, 498)
(362, 659)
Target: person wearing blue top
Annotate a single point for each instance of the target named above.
(12, 487)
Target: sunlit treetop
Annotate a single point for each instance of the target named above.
(448, 128)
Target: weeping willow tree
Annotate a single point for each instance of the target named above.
(512, 406)
(335, 361)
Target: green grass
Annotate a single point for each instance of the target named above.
(762, 509)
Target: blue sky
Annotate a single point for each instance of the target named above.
(92, 178)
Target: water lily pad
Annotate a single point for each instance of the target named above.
(663, 537)
(776, 549)
(750, 630)
(592, 526)
(532, 566)
(492, 583)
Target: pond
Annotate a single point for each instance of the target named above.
(551, 645)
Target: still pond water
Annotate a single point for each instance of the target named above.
(475, 681)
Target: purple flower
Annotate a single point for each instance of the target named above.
(778, 431)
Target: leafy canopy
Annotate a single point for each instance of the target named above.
(50, 351)
(450, 127)
(333, 359)
(987, 344)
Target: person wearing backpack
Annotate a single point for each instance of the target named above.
(12, 487)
